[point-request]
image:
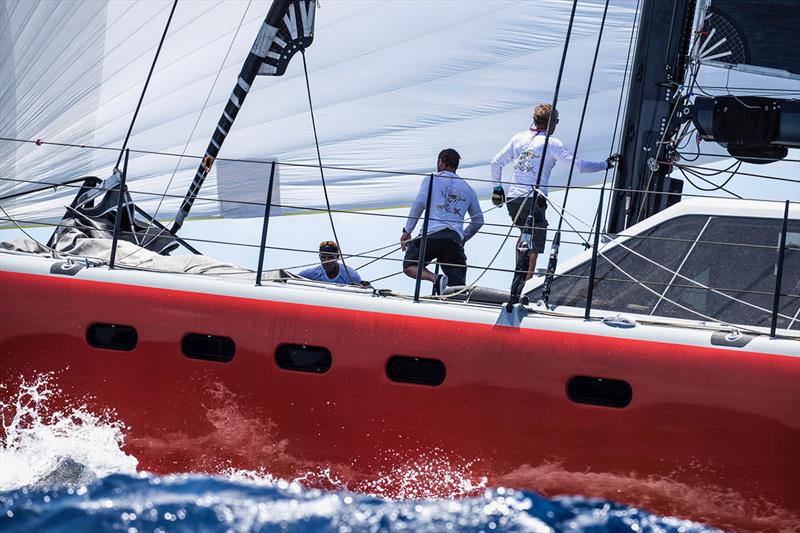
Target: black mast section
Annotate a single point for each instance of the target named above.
(653, 115)
(287, 28)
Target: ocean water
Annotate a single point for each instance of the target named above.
(66, 471)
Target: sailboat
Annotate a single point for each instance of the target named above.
(660, 368)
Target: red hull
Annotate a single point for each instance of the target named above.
(711, 434)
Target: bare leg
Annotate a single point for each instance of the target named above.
(531, 261)
(531, 265)
(427, 275)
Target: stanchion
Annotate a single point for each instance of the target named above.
(118, 217)
(267, 209)
(423, 240)
(593, 269)
(779, 275)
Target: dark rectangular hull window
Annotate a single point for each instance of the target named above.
(301, 358)
(112, 337)
(416, 370)
(599, 391)
(208, 347)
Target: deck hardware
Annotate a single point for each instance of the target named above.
(731, 339)
(619, 321)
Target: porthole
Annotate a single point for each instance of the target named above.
(417, 370)
(302, 358)
(112, 337)
(208, 347)
(599, 391)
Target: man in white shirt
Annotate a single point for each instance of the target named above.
(525, 150)
(451, 199)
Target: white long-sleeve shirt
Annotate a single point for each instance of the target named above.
(525, 150)
(451, 199)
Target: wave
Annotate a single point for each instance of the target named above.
(178, 503)
(40, 445)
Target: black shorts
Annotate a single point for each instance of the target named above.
(522, 205)
(446, 247)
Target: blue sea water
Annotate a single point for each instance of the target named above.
(66, 470)
(149, 503)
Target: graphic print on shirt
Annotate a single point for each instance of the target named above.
(524, 162)
(451, 200)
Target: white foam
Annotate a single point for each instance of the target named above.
(37, 439)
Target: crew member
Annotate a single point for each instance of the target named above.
(525, 150)
(329, 270)
(451, 199)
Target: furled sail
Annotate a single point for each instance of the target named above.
(393, 83)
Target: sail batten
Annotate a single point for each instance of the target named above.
(757, 37)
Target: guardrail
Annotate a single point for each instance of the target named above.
(582, 236)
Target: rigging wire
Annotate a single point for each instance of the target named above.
(40, 189)
(754, 158)
(196, 122)
(522, 261)
(146, 83)
(714, 186)
(31, 237)
(554, 247)
(40, 142)
(319, 159)
(617, 122)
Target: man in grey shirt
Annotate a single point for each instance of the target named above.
(451, 199)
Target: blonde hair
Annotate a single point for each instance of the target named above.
(541, 115)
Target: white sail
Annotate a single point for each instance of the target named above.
(392, 84)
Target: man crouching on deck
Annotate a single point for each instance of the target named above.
(451, 199)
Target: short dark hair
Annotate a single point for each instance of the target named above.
(450, 158)
(329, 247)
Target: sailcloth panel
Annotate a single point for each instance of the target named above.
(392, 83)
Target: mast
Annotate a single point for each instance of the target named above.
(287, 28)
(653, 115)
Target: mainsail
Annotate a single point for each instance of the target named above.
(759, 37)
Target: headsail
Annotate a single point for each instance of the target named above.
(287, 29)
(394, 83)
